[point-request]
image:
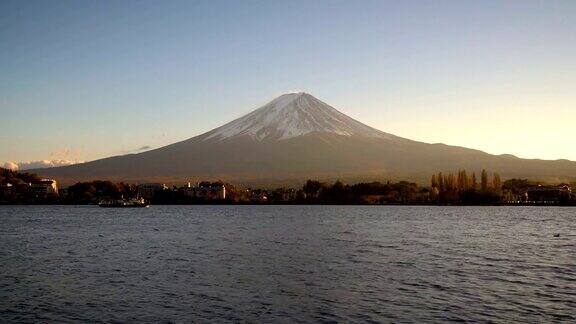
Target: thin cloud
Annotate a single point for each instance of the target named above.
(66, 153)
(140, 149)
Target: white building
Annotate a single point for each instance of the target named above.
(44, 188)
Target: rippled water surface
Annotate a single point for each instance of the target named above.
(287, 264)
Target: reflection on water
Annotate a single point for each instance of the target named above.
(287, 263)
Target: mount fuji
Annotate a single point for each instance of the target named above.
(295, 137)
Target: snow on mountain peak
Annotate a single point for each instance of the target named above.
(291, 115)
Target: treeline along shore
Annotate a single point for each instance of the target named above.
(460, 188)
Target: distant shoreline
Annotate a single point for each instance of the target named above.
(309, 204)
(446, 189)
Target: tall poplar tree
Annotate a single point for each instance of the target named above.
(473, 183)
(484, 181)
(496, 181)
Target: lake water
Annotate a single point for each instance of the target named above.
(287, 264)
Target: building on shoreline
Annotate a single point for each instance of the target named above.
(204, 191)
(44, 188)
(549, 194)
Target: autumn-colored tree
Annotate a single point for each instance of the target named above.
(462, 180)
(484, 181)
(496, 181)
(450, 182)
(440, 179)
(473, 183)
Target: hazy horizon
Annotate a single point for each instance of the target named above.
(85, 80)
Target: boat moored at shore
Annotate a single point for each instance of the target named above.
(123, 203)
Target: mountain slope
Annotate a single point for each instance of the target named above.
(295, 137)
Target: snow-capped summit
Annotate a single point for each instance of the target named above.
(291, 115)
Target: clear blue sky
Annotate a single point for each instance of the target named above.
(89, 79)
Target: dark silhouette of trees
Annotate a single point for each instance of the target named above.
(402, 192)
(15, 177)
(517, 186)
(312, 189)
(94, 191)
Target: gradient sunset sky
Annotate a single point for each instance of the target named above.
(81, 80)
